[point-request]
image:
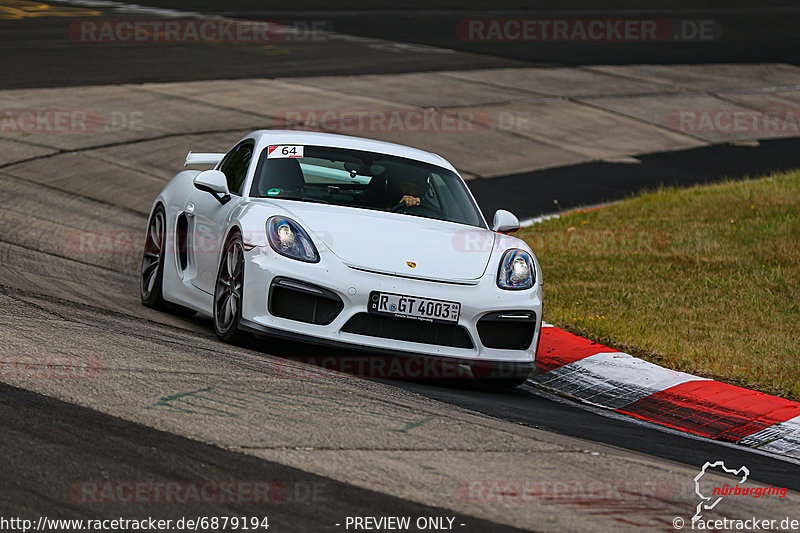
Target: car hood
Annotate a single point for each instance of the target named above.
(391, 243)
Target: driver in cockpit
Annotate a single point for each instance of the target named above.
(405, 191)
(396, 191)
(410, 191)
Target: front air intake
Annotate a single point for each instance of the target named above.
(404, 329)
(507, 330)
(301, 301)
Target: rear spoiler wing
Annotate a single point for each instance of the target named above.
(203, 158)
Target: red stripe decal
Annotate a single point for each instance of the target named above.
(713, 409)
(558, 348)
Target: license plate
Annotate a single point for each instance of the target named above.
(413, 307)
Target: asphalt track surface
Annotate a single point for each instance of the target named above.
(531, 407)
(746, 33)
(47, 441)
(37, 52)
(571, 186)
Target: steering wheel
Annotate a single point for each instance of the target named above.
(400, 205)
(419, 210)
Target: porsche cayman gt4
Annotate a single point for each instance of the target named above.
(345, 242)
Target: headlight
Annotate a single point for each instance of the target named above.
(516, 271)
(287, 238)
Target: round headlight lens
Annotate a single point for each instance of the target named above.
(520, 271)
(287, 238)
(516, 270)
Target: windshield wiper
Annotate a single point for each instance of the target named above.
(302, 199)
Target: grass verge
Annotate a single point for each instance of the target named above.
(705, 280)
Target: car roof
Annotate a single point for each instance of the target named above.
(346, 141)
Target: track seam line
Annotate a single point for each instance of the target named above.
(190, 99)
(62, 151)
(60, 224)
(24, 142)
(143, 173)
(703, 141)
(74, 194)
(8, 290)
(64, 257)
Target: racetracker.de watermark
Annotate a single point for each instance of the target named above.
(735, 121)
(68, 121)
(633, 30)
(576, 492)
(131, 242)
(735, 524)
(50, 367)
(150, 524)
(389, 367)
(196, 31)
(195, 492)
(573, 238)
(395, 120)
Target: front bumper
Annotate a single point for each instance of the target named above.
(353, 288)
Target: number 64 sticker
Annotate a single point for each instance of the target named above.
(274, 152)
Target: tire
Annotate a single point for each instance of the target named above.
(152, 272)
(151, 280)
(228, 291)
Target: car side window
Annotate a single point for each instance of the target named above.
(235, 164)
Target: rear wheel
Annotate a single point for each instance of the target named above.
(228, 291)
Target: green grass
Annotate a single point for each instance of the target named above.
(704, 280)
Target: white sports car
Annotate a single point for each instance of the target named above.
(345, 242)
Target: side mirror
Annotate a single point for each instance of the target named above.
(504, 222)
(215, 183)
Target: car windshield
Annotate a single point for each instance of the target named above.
(366, 180)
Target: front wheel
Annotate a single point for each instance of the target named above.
(228, 291)
(152, 271)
